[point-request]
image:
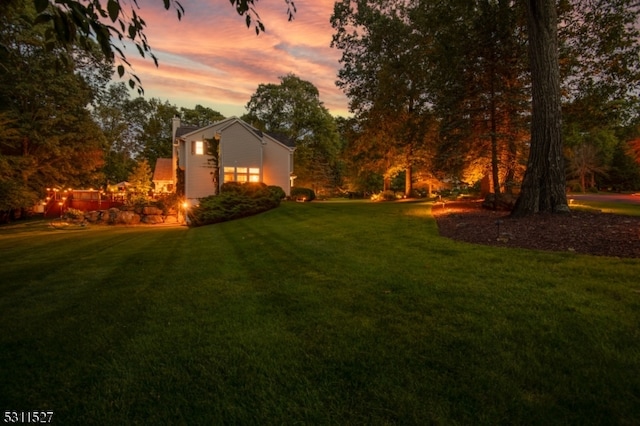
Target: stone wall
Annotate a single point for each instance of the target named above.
(145, 215)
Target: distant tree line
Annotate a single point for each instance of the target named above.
(444, 89)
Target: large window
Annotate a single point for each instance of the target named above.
(242, 174)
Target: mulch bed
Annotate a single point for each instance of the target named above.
(587, 232)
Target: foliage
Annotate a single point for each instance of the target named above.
(48, 136)
(114, 115)
(293, 109)
(427, 100)
(624, 173)
(235, 201)
(298, 192)
(199, 116)
(152, 121)
(139, 183)
(277, 192)
(168, 203)
(387, 195)
(73, 214)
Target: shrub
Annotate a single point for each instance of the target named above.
(388, 195)
(277, 193)
(74, 214)
(168, 203)
(302, 193)
(235, 201)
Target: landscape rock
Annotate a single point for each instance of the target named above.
(152, 219)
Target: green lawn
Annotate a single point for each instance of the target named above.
(608, 207)
(313, 313)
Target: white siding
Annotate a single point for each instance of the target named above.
(278, 165)
(198, 179)
(240, 147)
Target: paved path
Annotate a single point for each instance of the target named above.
(607, 198)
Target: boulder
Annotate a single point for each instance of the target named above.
(152, 219)
(151, 210)
(128, 218)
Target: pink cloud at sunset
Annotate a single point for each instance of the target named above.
(211, 58)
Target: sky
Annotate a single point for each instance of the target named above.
(211, 58)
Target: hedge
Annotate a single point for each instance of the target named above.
(235, 201)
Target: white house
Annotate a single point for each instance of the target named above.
(245, 154)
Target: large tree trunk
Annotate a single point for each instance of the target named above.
(544, 183)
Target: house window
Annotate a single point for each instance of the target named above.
(254, 174)
(198, 148)
(242, 174)
(229, 174)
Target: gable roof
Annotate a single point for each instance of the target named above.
(283, 139)
(222, 124)
(183, 130)
(163, 169)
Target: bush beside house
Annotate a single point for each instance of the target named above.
(302, 194)
(235, 201)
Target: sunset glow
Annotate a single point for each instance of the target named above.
(211, 58)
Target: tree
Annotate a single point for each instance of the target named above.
(199, 116)
(140, 181)
(48, 136)
(480, 89)
(154, 138)
(544, 183)
(385, 74)
(81, 22)
(600, 62)
(293, 109)
(113, 114)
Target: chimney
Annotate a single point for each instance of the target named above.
(175, 124)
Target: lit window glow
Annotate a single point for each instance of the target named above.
(199, 150)
(242, 174)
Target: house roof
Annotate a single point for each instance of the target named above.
(283, 139)
(163, 170)
(222, 124)
(183, 130)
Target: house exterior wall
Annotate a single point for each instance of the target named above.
(278, 165)
(240, 146)
(198, 179)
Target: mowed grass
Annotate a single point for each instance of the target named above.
(610, 207)
(313, 313)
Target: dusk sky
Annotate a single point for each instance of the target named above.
(211, 58)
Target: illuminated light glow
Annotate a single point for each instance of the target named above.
(199, 148)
